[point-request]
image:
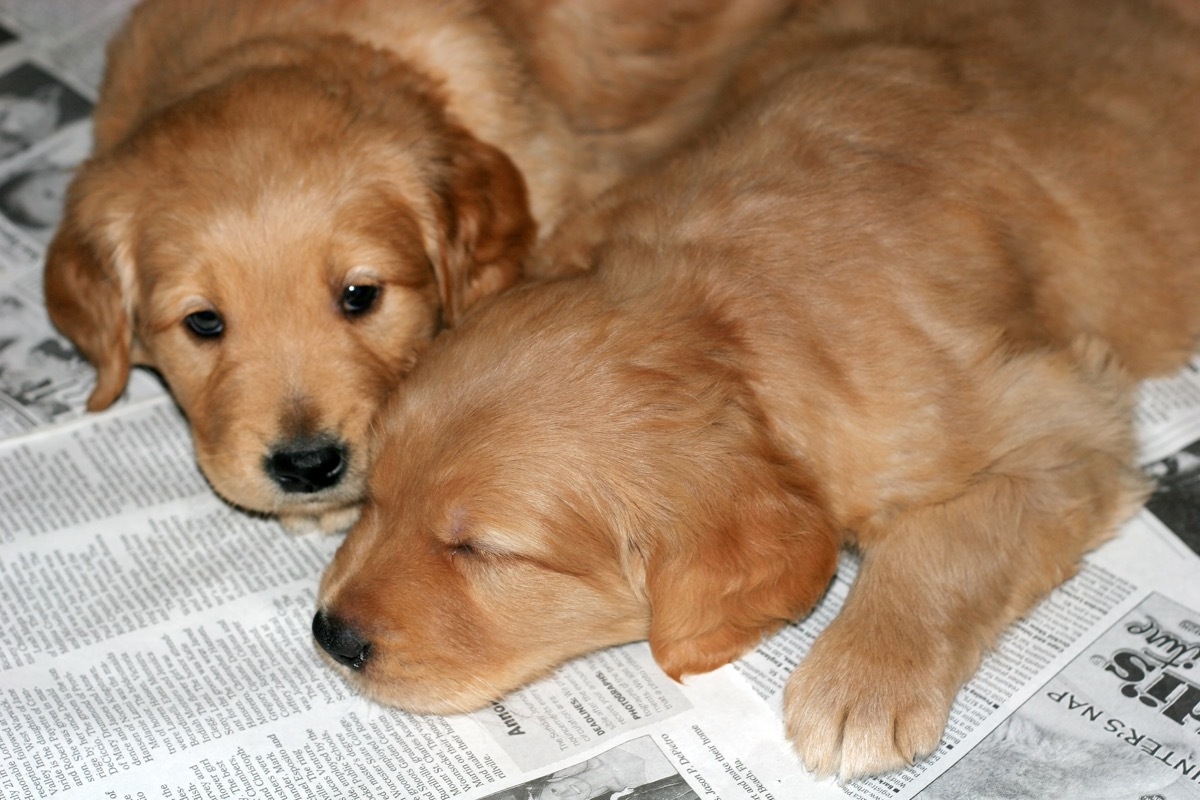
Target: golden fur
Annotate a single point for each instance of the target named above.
(255, 159)
(899, 300)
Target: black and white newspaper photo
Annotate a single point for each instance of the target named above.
(636, 770)
(1120, 720)
(1175, 501)
(50, 62)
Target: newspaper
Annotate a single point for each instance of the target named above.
(155, 642)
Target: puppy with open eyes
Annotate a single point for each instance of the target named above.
(898, 300)
(289, 198)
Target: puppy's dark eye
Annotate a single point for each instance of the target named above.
(205, 324)
(359, 298)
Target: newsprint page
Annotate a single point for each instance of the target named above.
(155, 643)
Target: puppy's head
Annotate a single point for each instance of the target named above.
(558, 478)
(280, 250)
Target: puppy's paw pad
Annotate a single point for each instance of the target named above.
(855, 721)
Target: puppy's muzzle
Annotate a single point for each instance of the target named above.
(307, 466)
(340, 641)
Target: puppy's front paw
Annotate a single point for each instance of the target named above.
(339, 520)
(853, 712)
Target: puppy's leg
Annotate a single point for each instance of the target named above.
(940, 582)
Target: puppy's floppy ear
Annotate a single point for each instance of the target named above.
(84, 299)
(760, 555)
(488, 230)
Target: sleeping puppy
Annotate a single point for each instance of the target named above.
(899, 300)
(288, 198)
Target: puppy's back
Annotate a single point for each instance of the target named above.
(1037, 158)
(882, 224)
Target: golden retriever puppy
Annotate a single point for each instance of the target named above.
(288, 199)
(899, 301)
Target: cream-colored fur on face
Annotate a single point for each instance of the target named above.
(898, 300)
(255, 158)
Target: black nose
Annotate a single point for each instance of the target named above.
(340, 641)
(305, 467)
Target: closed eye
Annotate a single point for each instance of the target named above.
(471, 550)
(463, 549)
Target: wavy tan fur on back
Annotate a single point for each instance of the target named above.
(255, 159)
(898, 300)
